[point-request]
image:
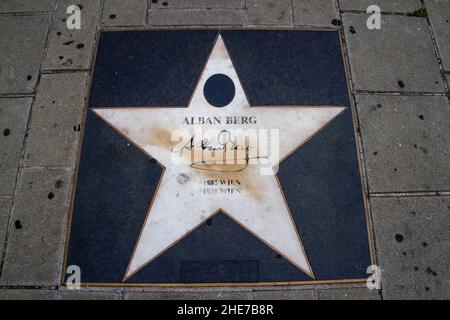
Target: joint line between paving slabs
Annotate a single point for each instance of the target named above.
(291, 16)
(399, 93)
(383, 13)
(25, 14)
(16, 95)
(59, 71)
(362, 163)
(147, 11)
(244, 12)
(436, 51)
(410, 194)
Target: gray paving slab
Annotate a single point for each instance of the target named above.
(196, 4)
(268, 12)
(413, 246)
(135, 294)
(72, 49)
(88, 294)
(285, 294)
(16, 6)
(14, 115)
(164, 17)
(439, 16)
(22, 39)
(27, 294)
(55, 127)
(400, 6)
(349, 294)
(322, 13)
(36, 238)
(124, 13)
(406, 142)
(398, 57)
(5, 206)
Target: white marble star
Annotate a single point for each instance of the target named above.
(191, 192)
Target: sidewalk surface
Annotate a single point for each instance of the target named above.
(399, 82)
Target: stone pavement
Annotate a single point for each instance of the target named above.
(399, 80)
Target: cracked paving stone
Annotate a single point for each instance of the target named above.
(124, 13)
(417, 266)
(268, 11)
(406, 142)
(382, 60)
(14, 115)
(56, 118)
(34, 251)
(22, 42)
(72, 49)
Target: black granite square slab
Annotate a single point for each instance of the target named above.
(321, 180)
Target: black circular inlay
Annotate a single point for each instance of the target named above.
(219, 90)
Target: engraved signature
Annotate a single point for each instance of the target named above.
(224, 144)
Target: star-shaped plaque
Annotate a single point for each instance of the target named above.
(210, 164)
